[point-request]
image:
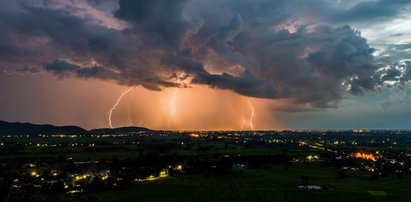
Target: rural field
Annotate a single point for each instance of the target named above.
(185, 168)
(275, 183)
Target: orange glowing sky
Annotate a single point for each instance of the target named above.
(206, 65)
(87, 103)
(197, 107)
(43, 98)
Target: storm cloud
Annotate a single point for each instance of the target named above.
(258, 48)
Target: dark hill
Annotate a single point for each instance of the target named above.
(118, 130)
(7, 128)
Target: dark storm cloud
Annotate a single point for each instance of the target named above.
(247, 84)
(42, 34)
(218, 40)
(314, 64)
(11, 51)
(159, 20)
(406, 74)
(310, 63)
(58, 25)
(369, 10)
(61, 68)
(267, 12)
(391, 75)
(403, 46)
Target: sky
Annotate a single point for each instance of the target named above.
(207, 64)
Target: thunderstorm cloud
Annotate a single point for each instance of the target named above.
(311, 53)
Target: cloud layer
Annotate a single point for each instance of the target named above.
(286, 49)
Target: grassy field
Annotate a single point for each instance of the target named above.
(275, 183)
(132, 151)
(272, 184)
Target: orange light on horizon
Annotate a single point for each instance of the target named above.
(193, 108)
(172, 111)
(365, 156)
(193, 135)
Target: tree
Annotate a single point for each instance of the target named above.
(341, 173)
(304, 180)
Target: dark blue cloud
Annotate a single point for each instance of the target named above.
(61, 68)
(371, 10)
(314, 64)
(160, 20)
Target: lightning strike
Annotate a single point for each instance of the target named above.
(172, 106)
(250, 122)
(140, 119)
(110, 112)
(130, 119)
(139, 112)
(243, 123)
(243, 120)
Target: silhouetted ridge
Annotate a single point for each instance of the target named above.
(7, 128)
(131, 129)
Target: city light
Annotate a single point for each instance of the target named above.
(179, 167)
(34, 174)
(312, 157)
(365, 156)
(193, 135)
(163, 173)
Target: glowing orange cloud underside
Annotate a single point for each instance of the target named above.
(194, 108)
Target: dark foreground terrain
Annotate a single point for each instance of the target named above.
(144, 165)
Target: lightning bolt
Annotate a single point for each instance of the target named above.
(243, 123)
(110, 112)
(250, 122)
(140, 119)
(243, 120)
(171, 109)
(140, 122)
(139, 112)
(130, 119)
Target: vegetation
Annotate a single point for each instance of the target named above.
(276, 183)
(208, 166)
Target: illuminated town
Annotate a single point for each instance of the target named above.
(205, 100)
(79, 165)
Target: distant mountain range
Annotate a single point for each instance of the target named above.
(131, 129)
(7, 128)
